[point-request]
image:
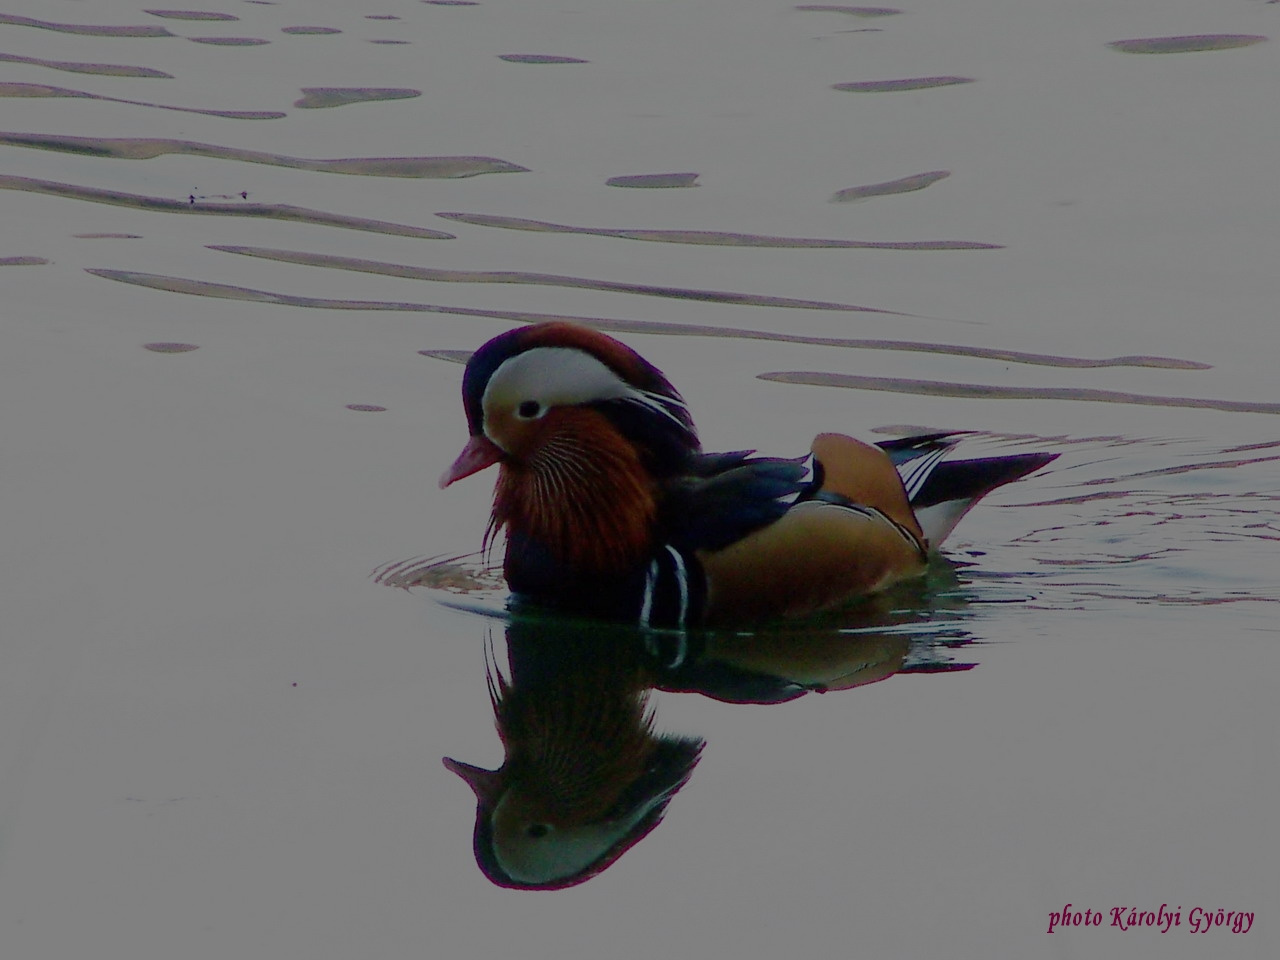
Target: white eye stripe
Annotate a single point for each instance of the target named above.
(552, 376)
(566, 376)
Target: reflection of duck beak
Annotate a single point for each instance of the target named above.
(485, 784)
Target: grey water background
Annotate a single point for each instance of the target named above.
(219, 736)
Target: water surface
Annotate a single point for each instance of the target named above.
(221, 736)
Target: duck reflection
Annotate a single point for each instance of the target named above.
(585, 775)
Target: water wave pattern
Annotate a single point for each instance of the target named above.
(979, 391)
(906, 83)
(194, 15)
(41, 90)
(411, 272)
(714, 238)
(100, 69)
(538, 58)
(1192, 44)
(911, 184)
(224, 291)
(84, 29)
(148, 148)
(1119, 520)
(661, 181)
(851, 11)
(318, 98)
(197, 206)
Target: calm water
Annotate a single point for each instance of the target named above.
(244, 247)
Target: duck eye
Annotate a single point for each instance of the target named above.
(529, 409)
(537, 830)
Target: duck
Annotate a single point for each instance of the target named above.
(611, 509)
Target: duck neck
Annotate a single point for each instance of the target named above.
(581, 507)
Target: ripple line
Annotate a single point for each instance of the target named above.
(889, 86)
(1193, 44)
(711, 237)
(852, 11)
(44, 90)
(87, 30)
(266, 211)
(101, 69)
(382, 268)
(643, 327)
(651, 181)
(978, 391)
(147, 148)
(902, 185)
(319, 98)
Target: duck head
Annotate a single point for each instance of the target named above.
(583, 429)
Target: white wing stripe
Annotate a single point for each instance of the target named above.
(682, 578)
(916, 472)
(650, 581)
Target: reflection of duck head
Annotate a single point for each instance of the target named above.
(584, 777)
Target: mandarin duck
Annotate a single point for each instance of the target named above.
(584, 776)
(611, 509)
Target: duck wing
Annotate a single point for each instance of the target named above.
(949, 488)
(723, 497)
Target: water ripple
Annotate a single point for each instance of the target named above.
(909, 83)
(85, 30)
(318, 98)
(146, 148)
(101, 69)
(192, 15)
(1208, 41)
(644, 327)
(44, 90)
(408, 272)
(713, 237)
(538, 58)
(903, 185)
(978, 391)
(266, 211)
(852, 11)
(652, 181)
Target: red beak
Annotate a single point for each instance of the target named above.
(480, 452)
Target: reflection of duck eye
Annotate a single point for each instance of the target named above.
(537, 830)
(529, 409)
